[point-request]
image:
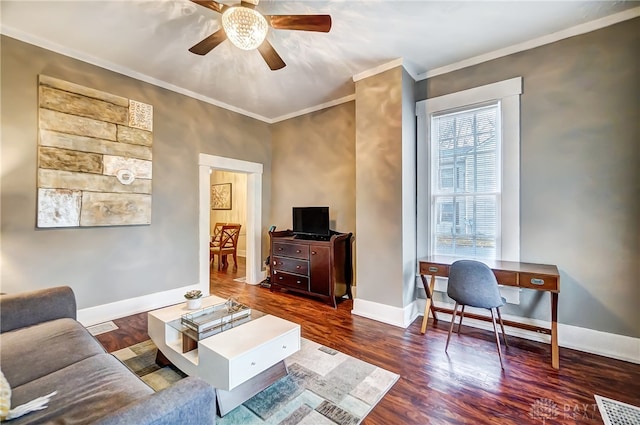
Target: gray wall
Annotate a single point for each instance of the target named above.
(580, 194)
(409, 218)
(580, 170)
(314, 165)
(379, 260)
(386, 187)
(109, 264)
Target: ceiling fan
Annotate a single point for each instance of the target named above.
(247, 29)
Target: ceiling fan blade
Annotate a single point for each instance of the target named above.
(270, 56)
(247, 4)
(213, 5)
(209, 43)
(319, 23)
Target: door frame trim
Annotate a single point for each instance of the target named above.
(253, 170)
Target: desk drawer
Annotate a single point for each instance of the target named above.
(263, 357)
(538, 281)
(290, 280)
(506, 277)
(291, 250)
(434, 269)
(290, 265)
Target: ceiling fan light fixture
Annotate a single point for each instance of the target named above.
(245, 27)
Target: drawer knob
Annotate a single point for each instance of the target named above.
(537, 281)
(280, 277)
(253, 363)
(279, 248)
(313, 253)
(298, 251)
(298, 267)
(298, 282)
(433, 269)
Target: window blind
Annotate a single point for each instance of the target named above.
(465, 183)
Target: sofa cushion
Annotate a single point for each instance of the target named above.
(87, 391)
(32, 352)
(30, 308)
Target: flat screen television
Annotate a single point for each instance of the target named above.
(311, 221)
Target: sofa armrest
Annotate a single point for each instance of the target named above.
(30, 308)
(190, 401)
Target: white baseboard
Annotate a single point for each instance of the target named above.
(396, 316)
(582, 339)
(606, 344)
(262, 275)
(105, 312)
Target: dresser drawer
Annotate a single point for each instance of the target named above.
(538, 281)
(434, 269)
(291, 250)
(290, 280)
(264, 356)
(290, 265)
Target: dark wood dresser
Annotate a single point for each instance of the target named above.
(321, 268)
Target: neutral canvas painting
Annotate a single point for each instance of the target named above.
(221, 196)
(94, 157)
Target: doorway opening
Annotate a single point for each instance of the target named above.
(253, 235)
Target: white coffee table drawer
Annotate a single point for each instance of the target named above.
(250, 364)
(230, 358)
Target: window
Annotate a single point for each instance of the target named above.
(468, 173)
(468, 200)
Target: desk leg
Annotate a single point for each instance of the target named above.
(428, 289)
(555, 350)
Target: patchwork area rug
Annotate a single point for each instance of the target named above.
(324, 386)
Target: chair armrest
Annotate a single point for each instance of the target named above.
(30, 308)
(190, 401)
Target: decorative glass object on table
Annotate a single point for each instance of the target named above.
(198, 325)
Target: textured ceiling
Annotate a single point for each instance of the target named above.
(152, 38)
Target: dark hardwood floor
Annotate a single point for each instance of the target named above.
(465, 386)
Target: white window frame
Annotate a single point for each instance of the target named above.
(508, 93)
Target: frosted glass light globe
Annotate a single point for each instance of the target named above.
(245, 27)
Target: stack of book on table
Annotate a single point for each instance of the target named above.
(215, 319)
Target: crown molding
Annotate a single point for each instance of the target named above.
(66, 51)
(385, 67)
(315, 108)
(377, 70)
(536, 42)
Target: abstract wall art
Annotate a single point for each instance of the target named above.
(94, 157)
(221, 196)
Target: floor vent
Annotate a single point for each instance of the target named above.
(101, 328)
(617, 413)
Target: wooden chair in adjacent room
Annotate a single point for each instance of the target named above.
(224, 243)
(473, 283)
(215, 237)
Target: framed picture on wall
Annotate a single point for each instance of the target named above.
(221, 196)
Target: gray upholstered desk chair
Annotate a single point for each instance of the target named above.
(473, 283)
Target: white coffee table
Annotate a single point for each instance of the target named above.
(239, 362)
